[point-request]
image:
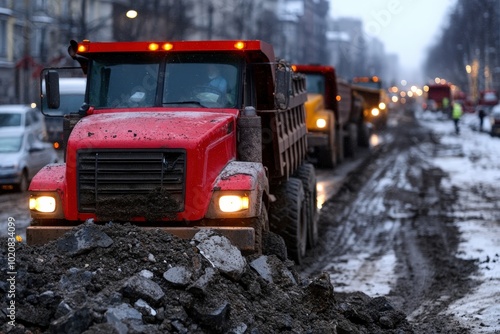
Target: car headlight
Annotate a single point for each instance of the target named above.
(375, 112)
(233, 203)
(45, 204)
(321, 123)
(381, 105)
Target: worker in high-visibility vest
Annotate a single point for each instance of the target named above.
(456, 114)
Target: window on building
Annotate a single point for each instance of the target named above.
(3, 38)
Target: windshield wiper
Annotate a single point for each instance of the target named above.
(198, 103)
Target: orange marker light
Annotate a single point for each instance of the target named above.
(82, 48)
(167, 46)
(239, 45)
(338, 97)
(153, 46)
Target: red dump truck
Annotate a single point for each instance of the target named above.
(183, 136)
(436, 94)
(334, 116)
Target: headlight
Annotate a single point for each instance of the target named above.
(43, 204)
(233, 203)
(375, 112)
(381, 106)
(321, 123)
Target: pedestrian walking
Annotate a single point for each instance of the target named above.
(456, 114)
(481, 114)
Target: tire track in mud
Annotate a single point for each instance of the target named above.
(393, 206)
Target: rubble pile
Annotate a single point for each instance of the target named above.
(118, 278)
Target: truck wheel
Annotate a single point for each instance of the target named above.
(339, 145)
(328, 155)
(351, 140)
(307, 175)
(288, 218)
(261, 225)
(326, 158)
(364, 135)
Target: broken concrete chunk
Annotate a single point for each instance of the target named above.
(221, 254)
(144, 308)
(214, 316)
(83, 240)
(178, 276)
(201, 285)
(75, 278)
(120, 315)
(146, 273)
(272, 270)
(140, 287)
(73, 322)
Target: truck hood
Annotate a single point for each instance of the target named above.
(185, 129)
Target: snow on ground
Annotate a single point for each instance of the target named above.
(477, 167)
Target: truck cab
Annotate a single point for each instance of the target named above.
(174, 135)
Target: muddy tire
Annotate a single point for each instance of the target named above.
(288, 218)
(364, 133)
(339, 145)
(307, 174)
(326, 158)
(351, 140)
(261, 226)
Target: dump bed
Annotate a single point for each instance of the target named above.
(284, 129)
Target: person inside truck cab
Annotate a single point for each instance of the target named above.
(216, 79)
(215, 89)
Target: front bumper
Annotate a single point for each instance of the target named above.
(317, 139)
(241, 237)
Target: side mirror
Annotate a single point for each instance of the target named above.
(52, 89)
(283, 85)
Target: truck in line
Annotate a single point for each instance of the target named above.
(334, 115)
(436, 93)
(375, 100)
(155, 144)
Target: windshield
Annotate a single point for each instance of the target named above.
(188, 79)
(10, 144)
(13, 119)
(315, 83)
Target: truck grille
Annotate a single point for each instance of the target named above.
(120, 185)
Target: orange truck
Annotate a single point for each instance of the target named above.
(334, 116)
(157, 144)
(375, 100)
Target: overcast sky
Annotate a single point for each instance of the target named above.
(406, 27)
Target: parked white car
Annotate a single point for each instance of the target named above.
(24, 118)
(22, 155)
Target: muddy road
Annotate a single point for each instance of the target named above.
(390, 222)
(391, 230)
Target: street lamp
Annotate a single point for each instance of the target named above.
(131, 14)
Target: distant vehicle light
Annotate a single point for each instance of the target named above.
(233, 203)
(338, 98)
(56, 145)
(381, 106)
(375, 112)
(321, 123)
(43, 204)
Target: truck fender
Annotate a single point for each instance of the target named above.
(50, 180)
(240, 178)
